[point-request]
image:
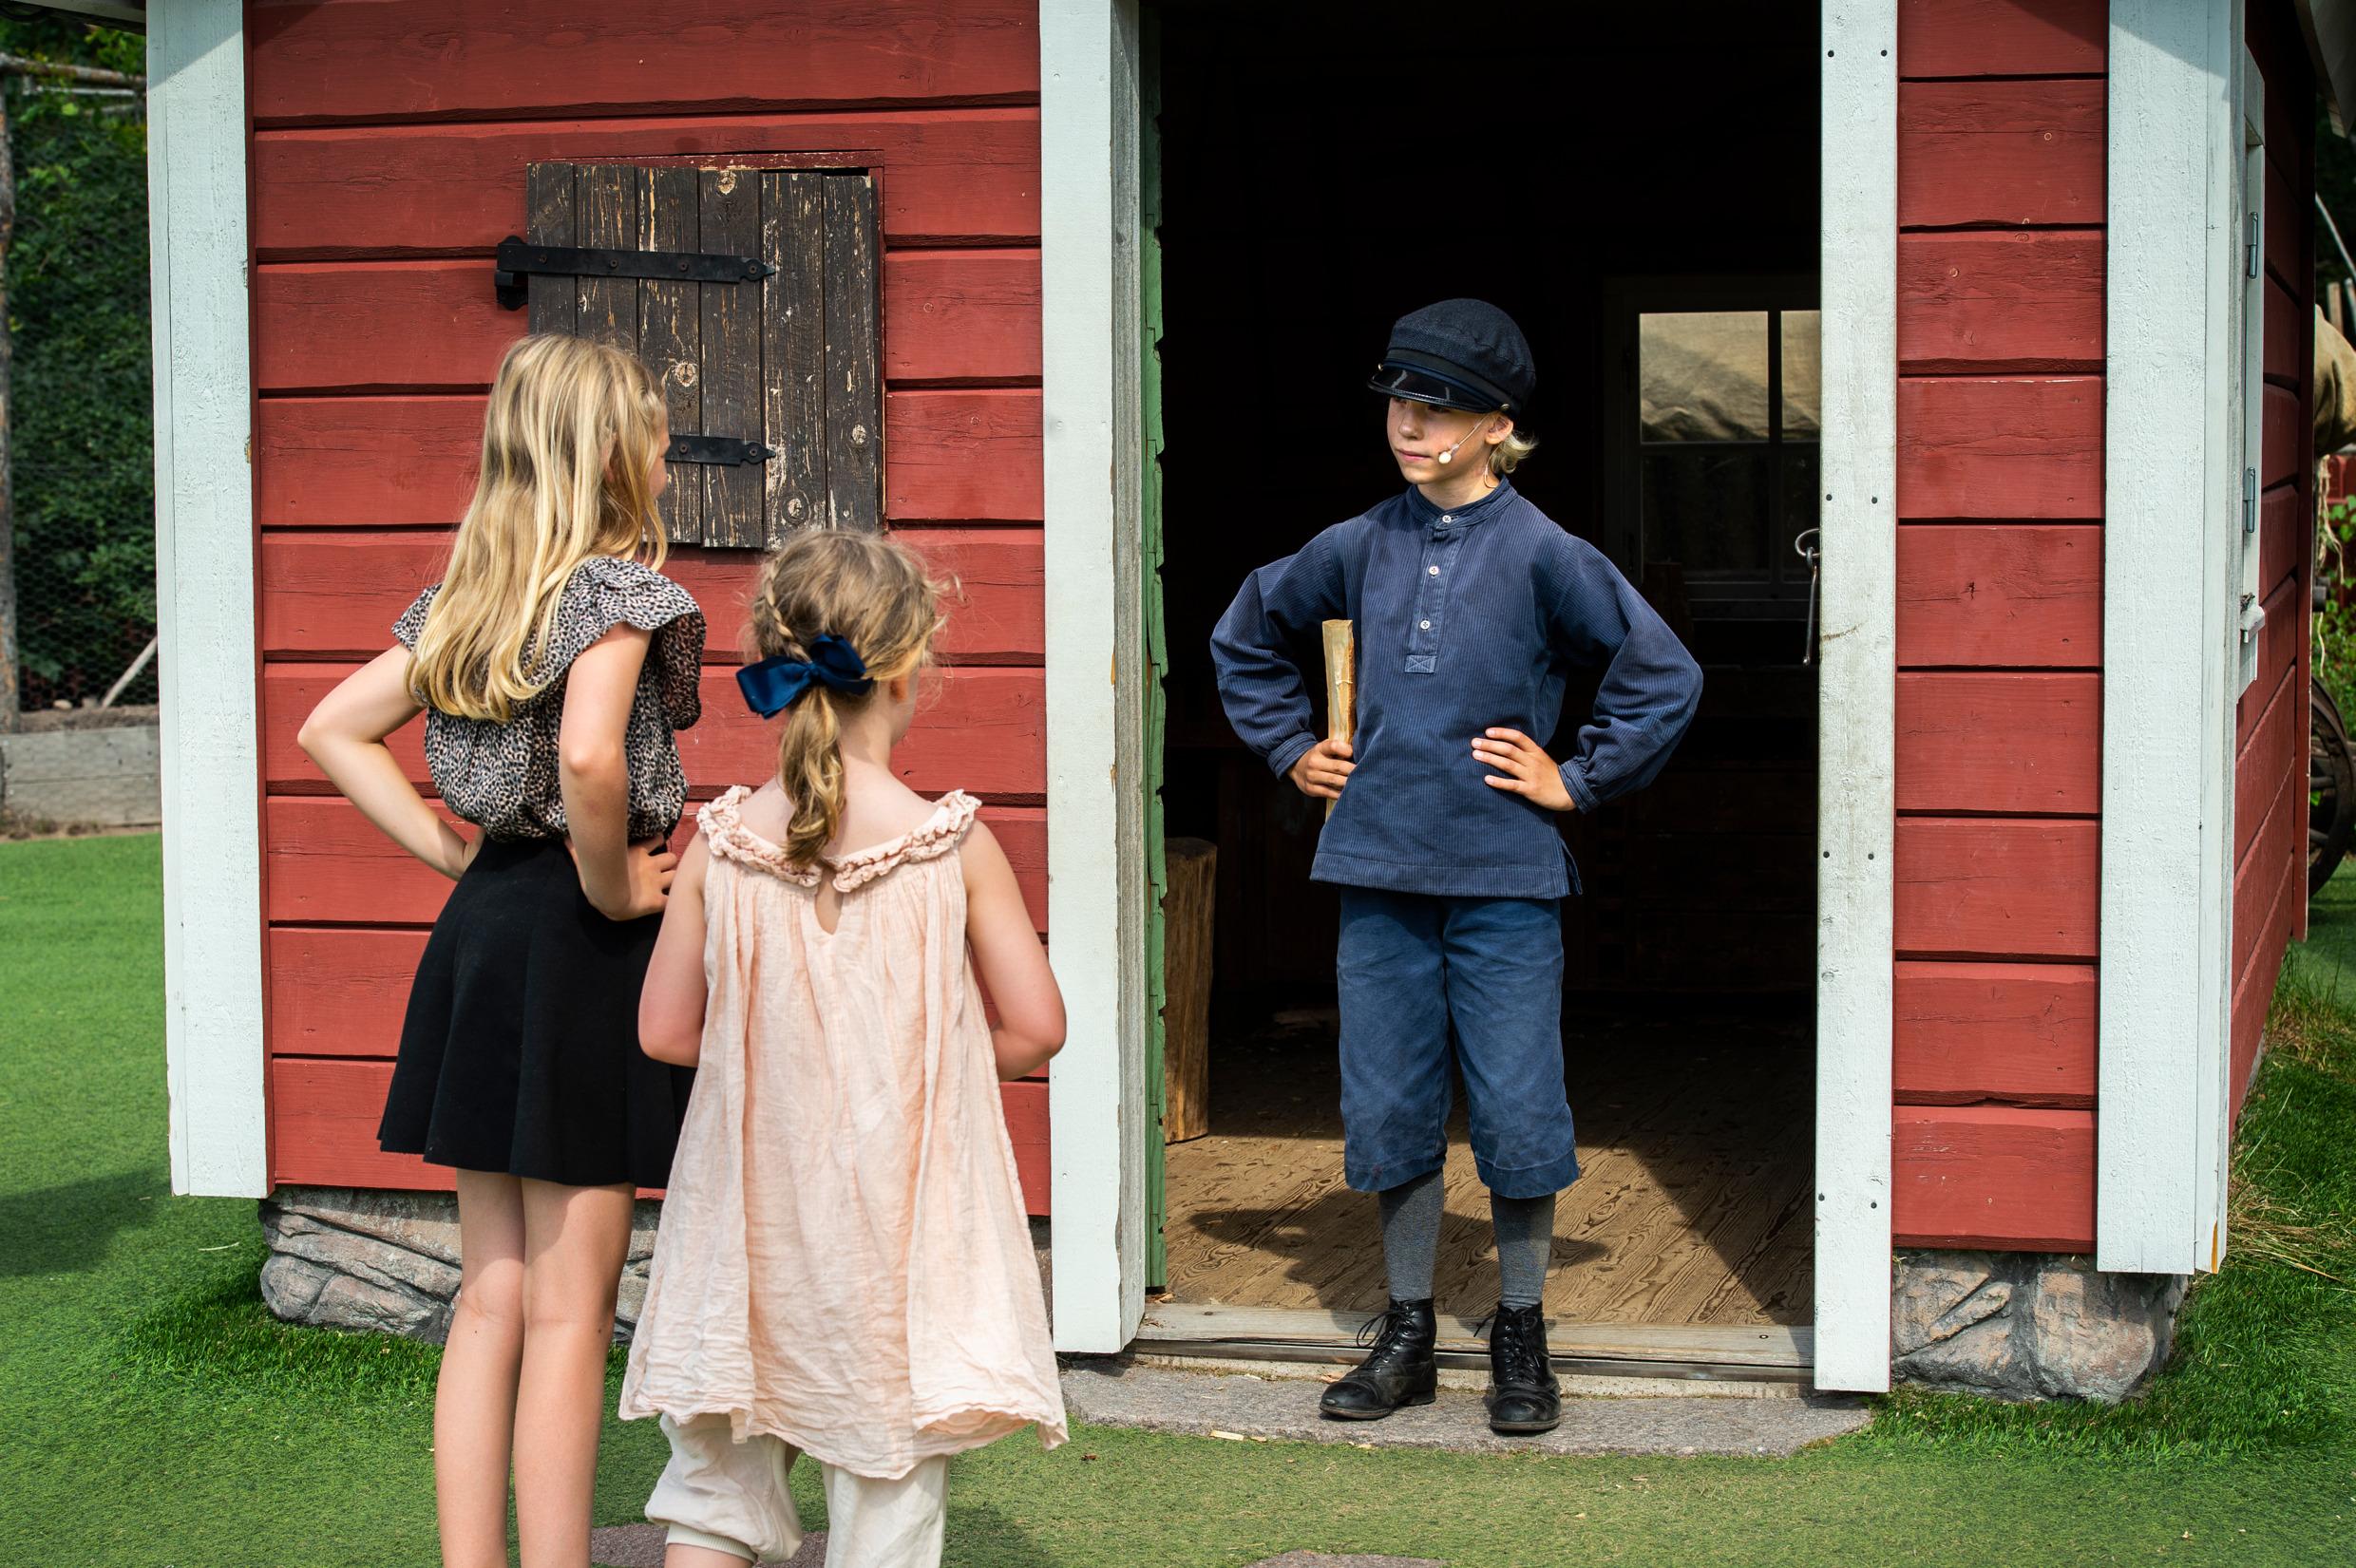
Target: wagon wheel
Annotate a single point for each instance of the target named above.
(2331, 789)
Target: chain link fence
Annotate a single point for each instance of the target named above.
(78, 677)
(85, 599)
(80, 749)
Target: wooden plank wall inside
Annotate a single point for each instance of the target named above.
(379, 193)
(2000, 156)
(2270, 773)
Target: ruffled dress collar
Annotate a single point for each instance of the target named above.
(722, 822)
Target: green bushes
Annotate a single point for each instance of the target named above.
(82, 452)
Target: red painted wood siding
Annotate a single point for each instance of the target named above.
(388, 160)
(2270, 772)
(2000, 156)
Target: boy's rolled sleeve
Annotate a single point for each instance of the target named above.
(1253, 651)
(1649, 693)
(1575, 780)
(1288, 753)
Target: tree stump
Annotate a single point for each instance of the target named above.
(1185, 979)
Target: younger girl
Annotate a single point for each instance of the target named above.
(844, 1268)
(551, 667)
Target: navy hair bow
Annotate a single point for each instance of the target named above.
(775, 684)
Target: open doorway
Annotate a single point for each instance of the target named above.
(1637, 186)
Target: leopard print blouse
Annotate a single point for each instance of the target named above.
(502, 777)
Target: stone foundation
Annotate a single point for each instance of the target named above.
(2021, 1326)
(346, 1259)
(388, 1261)
(2012, 1326)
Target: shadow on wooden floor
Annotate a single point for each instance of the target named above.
(1695, 1131)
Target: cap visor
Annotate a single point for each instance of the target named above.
(1415, 386)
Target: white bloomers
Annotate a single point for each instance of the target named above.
(732, 1497)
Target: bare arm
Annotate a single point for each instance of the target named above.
(1008, 957)
(592, 770)
(670, 1009)
(345, 735)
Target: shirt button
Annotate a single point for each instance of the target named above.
(1450, 517)
(1427, 626)
(1435, 571)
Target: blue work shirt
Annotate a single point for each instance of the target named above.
(1467, 620)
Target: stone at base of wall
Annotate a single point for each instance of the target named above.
(347, 1259)
(2006, 1325)
(2028, 1325)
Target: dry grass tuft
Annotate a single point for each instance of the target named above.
(2313, 1030)
(2266, 1229)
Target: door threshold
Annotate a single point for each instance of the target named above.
(1697, 1351)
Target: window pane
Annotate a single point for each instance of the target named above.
(1802, 500)
(1705, 506)
(1702, 375)
(1802, 374)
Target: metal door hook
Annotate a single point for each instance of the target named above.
(1805, 547)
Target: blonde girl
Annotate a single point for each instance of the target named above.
(552, 663)
(843, 1269)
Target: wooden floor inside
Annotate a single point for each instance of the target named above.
(1695, 1133)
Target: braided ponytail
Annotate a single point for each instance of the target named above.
(873, 594)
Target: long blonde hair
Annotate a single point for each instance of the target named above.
(873, 594)
(569, 444)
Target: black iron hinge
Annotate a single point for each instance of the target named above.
(720, 449)
(518, 260)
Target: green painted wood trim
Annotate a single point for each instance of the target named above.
(1158, 647)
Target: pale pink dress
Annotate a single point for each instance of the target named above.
(844, 1262)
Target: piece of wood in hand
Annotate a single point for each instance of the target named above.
(1341, 686)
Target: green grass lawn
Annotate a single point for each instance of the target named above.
(157, 1416)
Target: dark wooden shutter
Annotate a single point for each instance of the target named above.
(790, 361)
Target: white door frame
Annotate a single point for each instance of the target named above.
(1856, 693)
(1097, 910)
(207, 675)
(1096, 1101)
(2171, 558)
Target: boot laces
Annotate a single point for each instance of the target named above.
(1516, 1346)
(1385, 1334)
(1380, 1326)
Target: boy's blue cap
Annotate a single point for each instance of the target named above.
(1459, 353)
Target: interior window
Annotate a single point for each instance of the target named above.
(1726, 413)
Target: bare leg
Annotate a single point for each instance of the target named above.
(574, 1239)
(680, 1555)
(474, 1399)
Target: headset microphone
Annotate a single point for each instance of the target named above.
(1449, 456)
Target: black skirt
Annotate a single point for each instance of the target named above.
(520, 1053)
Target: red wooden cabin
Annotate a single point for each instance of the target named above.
(1977, 845)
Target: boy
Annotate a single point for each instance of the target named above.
(1471, 607)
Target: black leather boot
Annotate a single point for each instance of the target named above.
(1523, 1394)
(1401, 1370)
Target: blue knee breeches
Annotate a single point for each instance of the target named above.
(1415, 968)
